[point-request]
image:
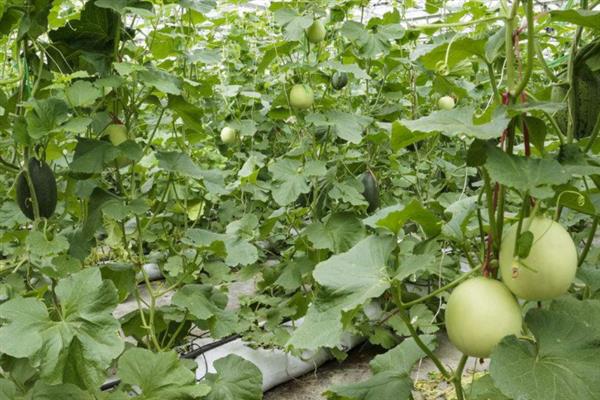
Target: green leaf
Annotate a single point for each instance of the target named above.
(353, 69)
(78, 346)
(456, 122)
(413, 264)
(39, 246)
(82, 94)
(358, 274)
(525, 174)
(160, 376)
(236, 250)
(484, 389)
(189, 113)
(290, 180)
(372, 42)
(462, 212)
(403, 357)
(346, 126)
(339, 233)
(562, 363)
(91, 156)
(585, 18)
(44, 391)
(349, 191)
(141, 8)
(161, 80)
(393, 218)
(524, 244)
(293, 24)
(201, 301)
(522, 108)
(236, 379)
(403, 137)
(45, 116)
(387, 385)
(350, 279)
(174, 161)
(462, 49)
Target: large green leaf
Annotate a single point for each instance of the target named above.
(80, 345)
(349, 280)
(91, 156)
(391, 379)
(393, 218)
(236, 379)
(458, 121)
(585, 18)
(293, 23)
(290, 180)
(462, 48)
(347, 126)
(159, 376)
(372, 42)
(339, 233)
(45, 116)
(174, 161)
(388, 385)
(525, 174)
(563, 362)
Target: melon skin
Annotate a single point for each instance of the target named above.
(44, 185)
(549, 269)
(479, 313)
(301, 97)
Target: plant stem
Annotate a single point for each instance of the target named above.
(594, 134)
(545, 67)
(509, 45)
(406, 319)
(530, 50)
(497, 97)
(457, 380)
(589, 241)
(524, 208)
(442, 289)
(457, 24)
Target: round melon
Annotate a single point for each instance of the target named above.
(480, 312)
(549, 269)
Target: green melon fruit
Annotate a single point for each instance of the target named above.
(301, 97)
(339, 80)
(316, 32)
(371, 191)
(480, 312)
(44, 185)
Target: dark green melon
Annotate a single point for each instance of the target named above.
(339, 80)
(559, 95)
(586, 87)
(371, 190)
(44, 184)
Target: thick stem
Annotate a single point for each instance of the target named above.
(406, 319)
(509, 45)
(522, 214)
(589, 241)
(594, 134)
(442, 289)
(530, 50)
(457, 380)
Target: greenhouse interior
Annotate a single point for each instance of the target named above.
(299, 200)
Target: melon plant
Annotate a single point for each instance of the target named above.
(366, 171)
